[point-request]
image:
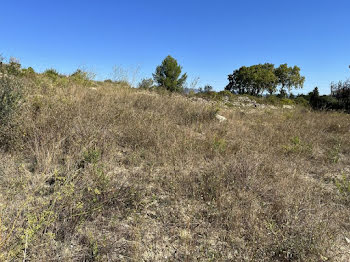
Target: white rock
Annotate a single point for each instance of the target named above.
(288, 107)
(347, 240)
(220, 118)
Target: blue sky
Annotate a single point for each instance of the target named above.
(208, 38)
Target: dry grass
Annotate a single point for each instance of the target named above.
(118, 174)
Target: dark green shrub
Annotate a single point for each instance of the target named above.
(324, 102)
(301, 101)
(341, 91)
(329, 102)
(51, 73)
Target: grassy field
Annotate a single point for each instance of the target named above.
(93, 171)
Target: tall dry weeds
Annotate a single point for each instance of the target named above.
(118, 174)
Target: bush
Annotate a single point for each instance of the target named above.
(273, 100)
(12, 68)
(324, 102)
(82, 76)
(28, 72)
(225, 93)
(10, 94)
(146, 84)
(301, 101)
(329, 102)
(51, 73)
(341, 91)
(287, 101)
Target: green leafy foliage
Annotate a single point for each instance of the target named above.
(28, 72)
(51, 73)
(257, 79)
(323, 102)
(82, 76)
(301, 101)
(289, 77)
(253, 80)
(167, 75)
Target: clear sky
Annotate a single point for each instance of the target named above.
(208, 38)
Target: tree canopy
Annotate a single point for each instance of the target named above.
(167, 75)
(289, 77)
(257, 79)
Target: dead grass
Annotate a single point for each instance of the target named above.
(118, 174)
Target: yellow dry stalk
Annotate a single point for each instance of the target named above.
(3, 241)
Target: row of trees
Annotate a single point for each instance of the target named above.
(253, 80)
(339, 99)
(257, 79)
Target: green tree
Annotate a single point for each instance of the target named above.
(207, 88)
(341, 91)
(265, 78)
(253, 80)
(315, 98)
(167, 75)
(289, 77)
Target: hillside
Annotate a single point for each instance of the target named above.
(99, 171)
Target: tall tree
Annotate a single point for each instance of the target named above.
(289, 77)
(265, 78)
(315, 98)
(167, 75)
(253, 80)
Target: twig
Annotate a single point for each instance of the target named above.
(25, 249)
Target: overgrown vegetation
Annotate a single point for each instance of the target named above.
(337, 100)
(99, 171)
